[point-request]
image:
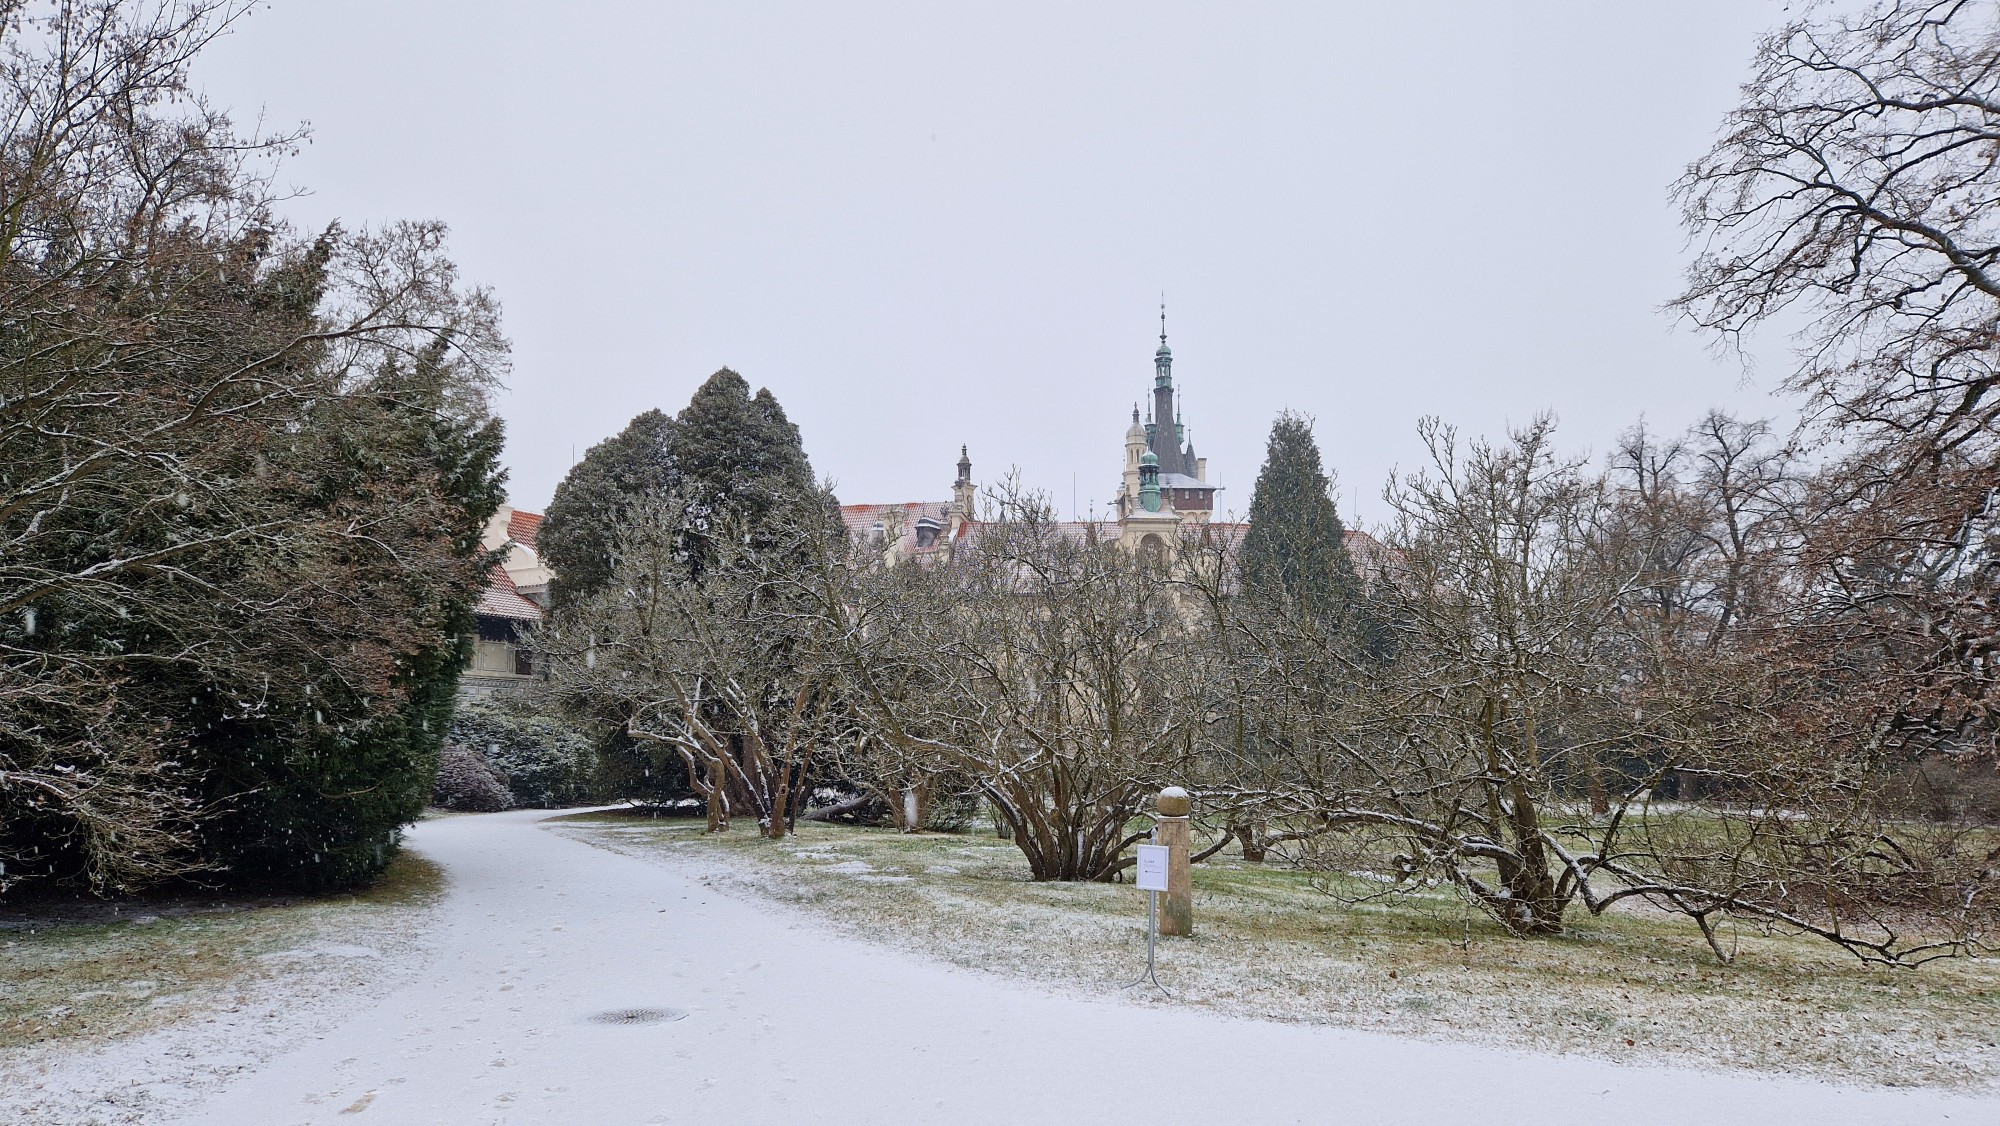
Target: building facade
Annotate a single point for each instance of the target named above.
(514, 601)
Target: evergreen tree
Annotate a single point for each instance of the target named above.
(581, 525)
(1295, 552)
(738, 452)
(315, 785)
(242, 481)
(729, 459)
(740, 460)
(728, 452)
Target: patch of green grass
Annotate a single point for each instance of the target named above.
(93, 980)
(1271, 942)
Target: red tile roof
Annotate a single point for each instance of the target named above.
(500, 599)
(862, 518)
(522, 526)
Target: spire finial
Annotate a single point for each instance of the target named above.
(1163, 316)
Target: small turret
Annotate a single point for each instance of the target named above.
(1136, 440)
(961, 489)
(1149, 481)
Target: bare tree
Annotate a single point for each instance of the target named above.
(721, 666)
(1558, 726)
(1855, 184)
(886, 626)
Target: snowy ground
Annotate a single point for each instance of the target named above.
(1271, 944)
(539, 933)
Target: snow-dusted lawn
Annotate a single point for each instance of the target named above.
(152, 963)
(1631, 986)
(122, 1020)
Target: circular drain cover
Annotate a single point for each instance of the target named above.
(637, 1016)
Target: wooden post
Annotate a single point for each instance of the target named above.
(1177, 913)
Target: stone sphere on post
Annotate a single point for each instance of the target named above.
(1177, 912)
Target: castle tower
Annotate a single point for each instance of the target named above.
(1166, 430)
(1135, 446)
(963, 497)
(1160, 451)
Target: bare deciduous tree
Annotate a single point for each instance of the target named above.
(1855, 184)
(724, 666)
(1595, 697)
(1057, 670)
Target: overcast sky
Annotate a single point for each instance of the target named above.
(927, 224)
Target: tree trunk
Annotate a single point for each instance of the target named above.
(1252, 834)
(909, 808)
(1593, 779)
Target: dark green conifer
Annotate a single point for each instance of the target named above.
(1295, 553)
(581, 525)
(316, 794)
(738, 453)
(729, 453)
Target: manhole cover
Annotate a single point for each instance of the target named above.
(637, 1016)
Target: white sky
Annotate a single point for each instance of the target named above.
(926, 224)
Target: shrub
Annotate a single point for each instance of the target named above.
(546, 763)
(952, 811)
(1939, 789)
(468, 783)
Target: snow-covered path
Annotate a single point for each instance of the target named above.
(790, 1023)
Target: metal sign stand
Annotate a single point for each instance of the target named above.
(1152, 870)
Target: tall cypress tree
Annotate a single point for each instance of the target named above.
(1295, 552)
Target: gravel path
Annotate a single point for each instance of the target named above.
(785, 1021)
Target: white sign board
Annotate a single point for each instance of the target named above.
(1153, 867)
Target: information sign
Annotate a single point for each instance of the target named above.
(1153, 867)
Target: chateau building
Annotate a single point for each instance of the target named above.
(1164, 487)
(1165, 484)
(1162, 471)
